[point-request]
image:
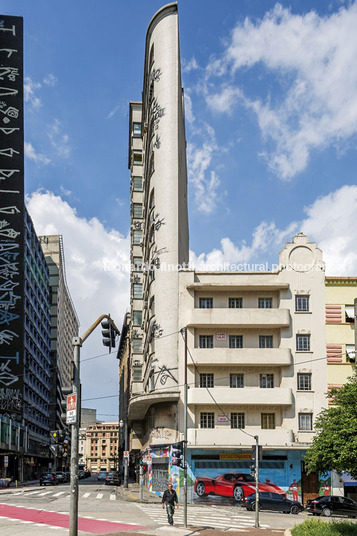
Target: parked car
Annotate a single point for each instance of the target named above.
(332, 504)
(235, 485)
(60, 476)
(101, 475)
(273, 501)
(81, 474)
(48, 478)
(113, 478)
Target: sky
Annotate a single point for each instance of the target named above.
(271, 126)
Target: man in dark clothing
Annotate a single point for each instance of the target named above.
(169, 499)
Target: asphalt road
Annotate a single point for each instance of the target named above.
(42, 511)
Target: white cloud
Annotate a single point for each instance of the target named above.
(38, 158)
(330, 222)
(59, 140)
(95, 258)
(50, 80)
(312, 58)
(205, 181)
(30, 88)
(189, 65)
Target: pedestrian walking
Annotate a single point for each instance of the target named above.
(169, 499)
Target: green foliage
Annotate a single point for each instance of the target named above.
(313, 527)
(335, 445)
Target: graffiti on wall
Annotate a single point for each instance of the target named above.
(12, 217)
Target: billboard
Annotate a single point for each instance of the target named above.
(11, 217)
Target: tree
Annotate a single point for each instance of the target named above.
(335, 445)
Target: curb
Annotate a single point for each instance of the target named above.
(287, 532)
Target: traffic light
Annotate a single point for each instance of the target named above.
(54, 436)
(109, 334)
(177, 454)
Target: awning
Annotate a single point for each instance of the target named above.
(348, 480)
(350, 313)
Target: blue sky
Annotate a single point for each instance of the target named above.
(271, 119)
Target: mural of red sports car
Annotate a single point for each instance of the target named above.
(235, 485)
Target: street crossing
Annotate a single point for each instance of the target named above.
(204, 516)
(64, 494)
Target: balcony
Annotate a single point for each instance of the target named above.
(227, 437)
(279, 357)
(252, 396)
(235, 318)
(139, 405)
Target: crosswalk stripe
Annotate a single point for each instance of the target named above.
(112, 497)
(86, 495)
(45, 493)
(99, 496)
(59, 493)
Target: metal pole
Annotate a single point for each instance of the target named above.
(256, 482)
(185, 438)
(126, 461)
(73, 505)
(141, 481)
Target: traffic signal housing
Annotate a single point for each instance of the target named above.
(177, 454)
(109, 334)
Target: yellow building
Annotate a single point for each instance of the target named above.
(340, 334)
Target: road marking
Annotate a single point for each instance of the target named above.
(59, 493)
(86, 495)
(112, 497)
(99, 496)
(45, 493)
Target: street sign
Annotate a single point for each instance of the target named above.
(71, 416)
(126, 454)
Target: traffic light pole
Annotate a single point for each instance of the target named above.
(185, 436)
(256, 524)
(77, 343)
(73, 504)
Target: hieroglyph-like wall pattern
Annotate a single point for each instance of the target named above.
(11, 217)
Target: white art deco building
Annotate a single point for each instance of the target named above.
(255, 339)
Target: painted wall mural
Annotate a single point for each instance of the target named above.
(11, 217)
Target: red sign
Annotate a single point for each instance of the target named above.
(71, 402)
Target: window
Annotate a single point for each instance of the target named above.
(266, 381)
(137, 237)
(302, 303)
(237, 420)
(303, 343)
(268, 421)
(206, 380)
(265, 303)
(235, 303)
(137, 184)
(206, 341)
(349, 314)
(305, 421)
(138, 291)
(137, 130)
(137, 210)
(207, 420)
(206, 303)
(137, 318)
(137, 346)
(236, 341)
(304, 382)
(137, 158)
(265, 341)
(137, 264)
(350, 352)
(236, 381)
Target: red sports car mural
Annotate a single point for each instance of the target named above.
(235, 485)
